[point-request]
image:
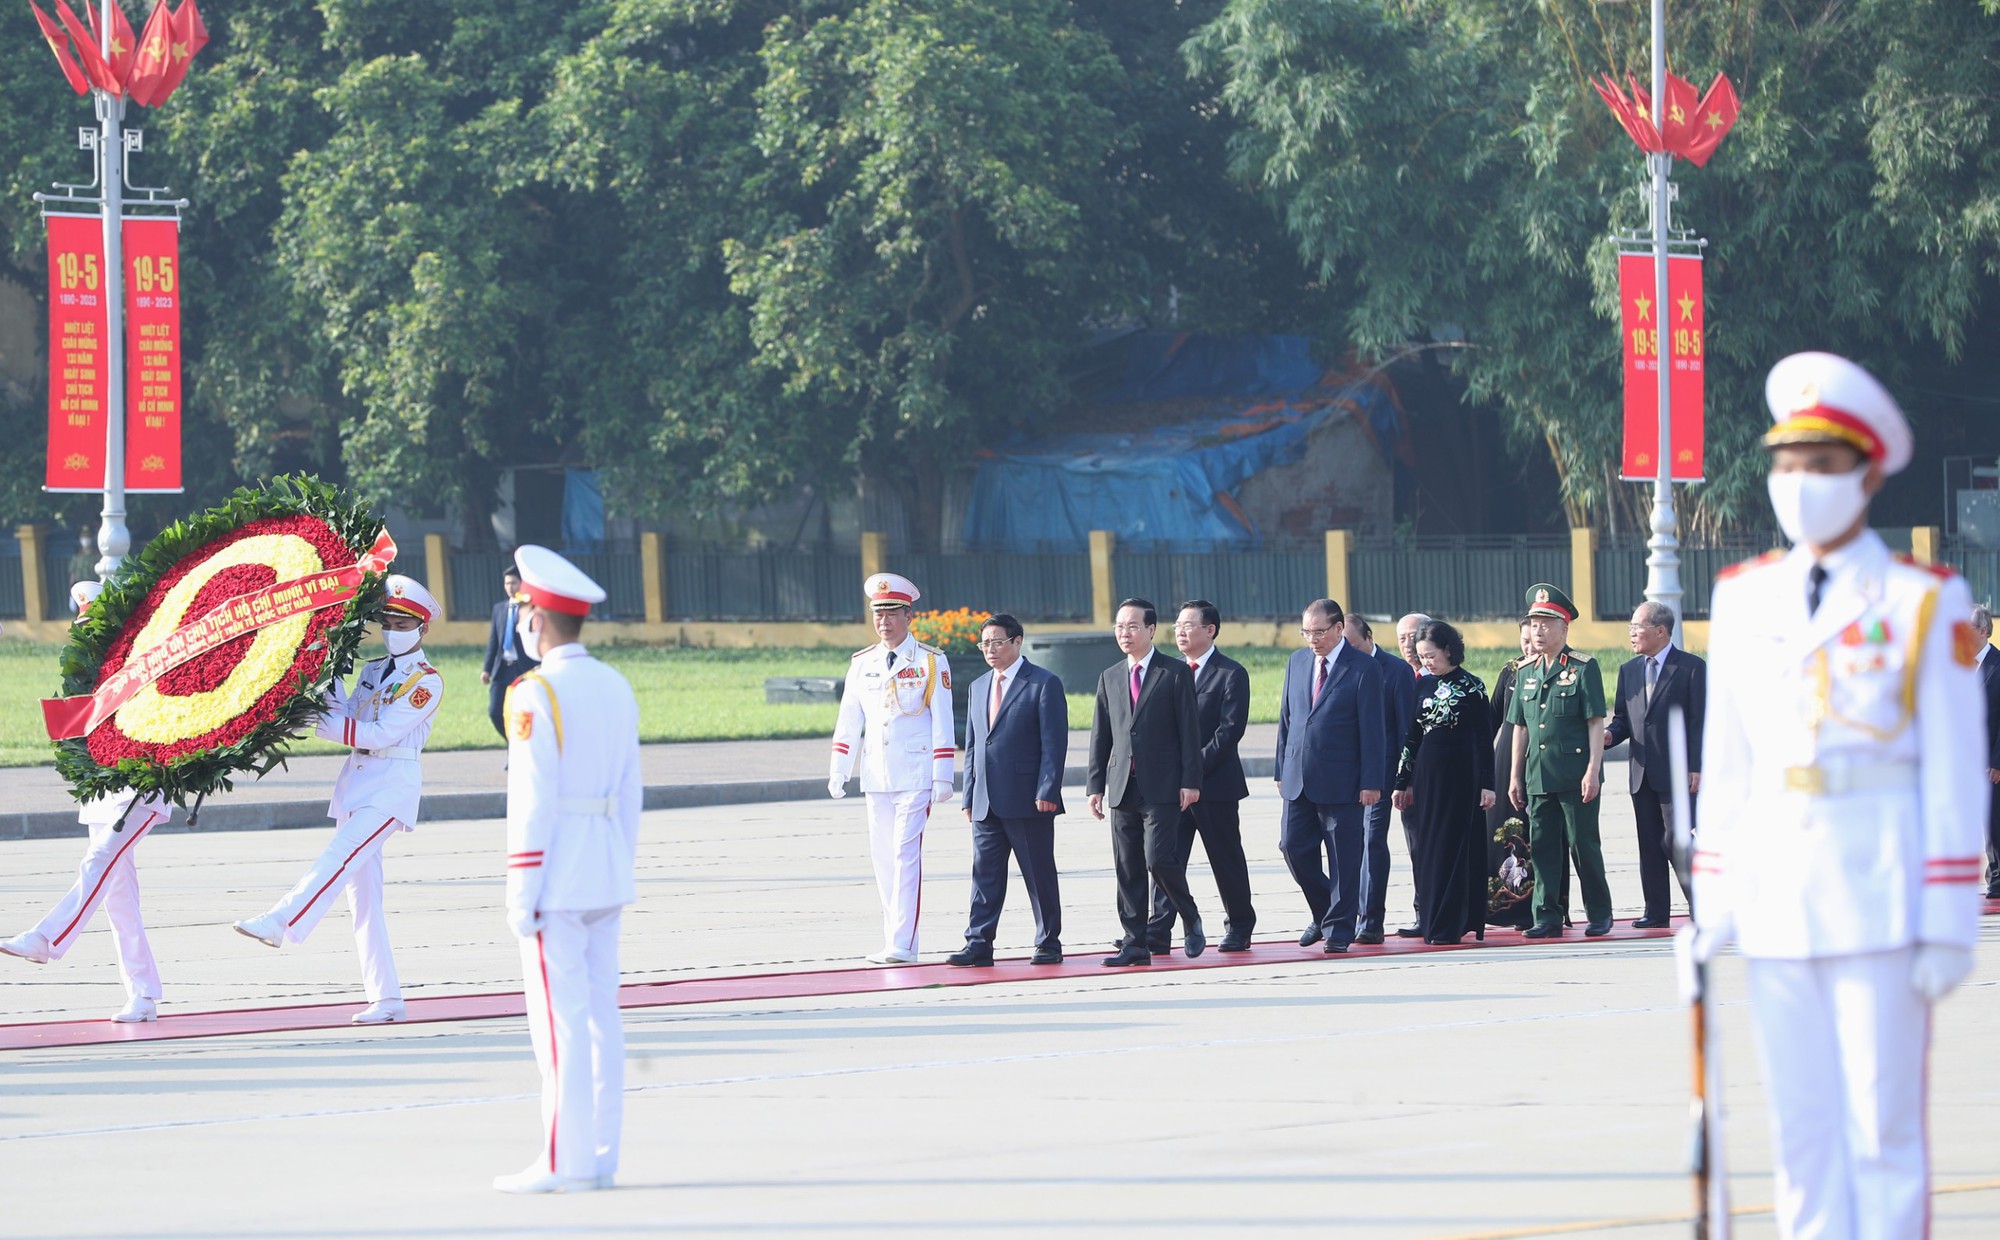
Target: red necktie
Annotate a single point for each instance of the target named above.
(999, 688)
(1319, 681)
(1136, 670)
(1194, 666)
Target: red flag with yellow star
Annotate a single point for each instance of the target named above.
(1677, 114)
(189, 37)
(1712, 118)
(1642, 321)
(58, 42)
(87, 54)
(149, 63)
(122, 42)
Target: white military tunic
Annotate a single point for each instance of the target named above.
(385, 719)
(895, 724)
(107, 877)
(1843, 813)
(573, 799)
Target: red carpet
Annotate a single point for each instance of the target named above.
(751, 987)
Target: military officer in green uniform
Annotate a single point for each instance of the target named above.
(1558, 716)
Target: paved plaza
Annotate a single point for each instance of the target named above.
(1520, 1090)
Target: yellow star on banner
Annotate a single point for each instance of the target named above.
(181, 51)
(1643, 459)
(117, 48)
(1714, 120)
(1687, 456)
(1686, 305)
(1645, 305)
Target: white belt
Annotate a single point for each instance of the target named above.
(589, 807)
(393, 751)
(1834, 778)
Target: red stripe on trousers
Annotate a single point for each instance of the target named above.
(555, 1064)
(103, 879)
(342, 870)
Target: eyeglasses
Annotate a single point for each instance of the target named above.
(1311, 634)
(1130, 628)
(1005, 641)
(1189, 628)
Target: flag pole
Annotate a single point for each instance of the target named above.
(114, 539)
(1663, 560)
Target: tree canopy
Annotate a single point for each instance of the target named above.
(720, 249)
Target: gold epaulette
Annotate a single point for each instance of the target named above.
(931, 649)
(1742, 566)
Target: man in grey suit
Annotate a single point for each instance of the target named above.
(1399, 706)
(1660, 677)
(1331, 735)
(1016, 737)
(1145, 762)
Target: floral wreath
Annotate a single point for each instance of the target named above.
(272, 590)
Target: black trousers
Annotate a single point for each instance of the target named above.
(496, 693)
(1993, 842)
(1654, 812)
(1032, 841)
(1145, 843)
(1220, 825)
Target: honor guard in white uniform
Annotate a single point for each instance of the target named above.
(895, 721)
(1843, 808)
(573, 800)
(384, 721)
(107, 877)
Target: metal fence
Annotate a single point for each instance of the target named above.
(13, 604)
(1462, 578)
(763, 585)
(1621, 573)
(1034, 587)
(1980, 566)
(1259, 585)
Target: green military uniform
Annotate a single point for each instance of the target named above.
(1554, 702)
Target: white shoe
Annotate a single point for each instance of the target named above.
(890, 955)
(380, 1012)
(267, 929)
(138, 1012)
(537, 1180)
(29, 945)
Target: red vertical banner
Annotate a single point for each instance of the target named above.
(1640, 322)
(152, 354)
(79, 378)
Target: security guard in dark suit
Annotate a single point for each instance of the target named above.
(1558, 716)
(1989, 683)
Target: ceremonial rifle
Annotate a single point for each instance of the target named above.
(1705, 1162)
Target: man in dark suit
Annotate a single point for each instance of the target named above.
(1016, 737)
(1222, 704)
(1661, 677)
(1399, 706)
(1332, 730)
(505, 660)
(1989, 681)
(1145, 762)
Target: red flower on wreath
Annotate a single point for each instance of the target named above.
(204, 674)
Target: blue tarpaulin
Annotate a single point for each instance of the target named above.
(582, 511)
(1167, 485)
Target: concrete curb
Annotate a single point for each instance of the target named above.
(461, 806)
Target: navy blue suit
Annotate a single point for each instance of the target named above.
(1399, 706)
(501, 643)
(1329, 751)
(1989, 682)
(1011, 763)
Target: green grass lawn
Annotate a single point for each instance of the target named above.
(684, 695)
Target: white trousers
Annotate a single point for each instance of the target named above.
(1844, 1042)
(107, 878)
(573, 1020)
(896, 839)
(351, 859)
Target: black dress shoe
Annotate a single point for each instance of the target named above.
(1542, 932)
(1334, 948)
(1046, 955)
(1128, 956)
(1312, 934)
(1370, 937)
(1193, 941)
(1233, 942)
(980, 957)
(1649, 923)
(1597, 929)
(1409, 932)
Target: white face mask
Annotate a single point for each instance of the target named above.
(402, 641)
(1818, 508)
(530, 644)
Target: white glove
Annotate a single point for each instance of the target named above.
(836, 787)
(941, 793)
(1937, 968)
(1694, 946)
(524, 924)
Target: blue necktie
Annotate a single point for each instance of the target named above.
(509, 651)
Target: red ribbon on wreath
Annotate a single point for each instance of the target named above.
(226, 621)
